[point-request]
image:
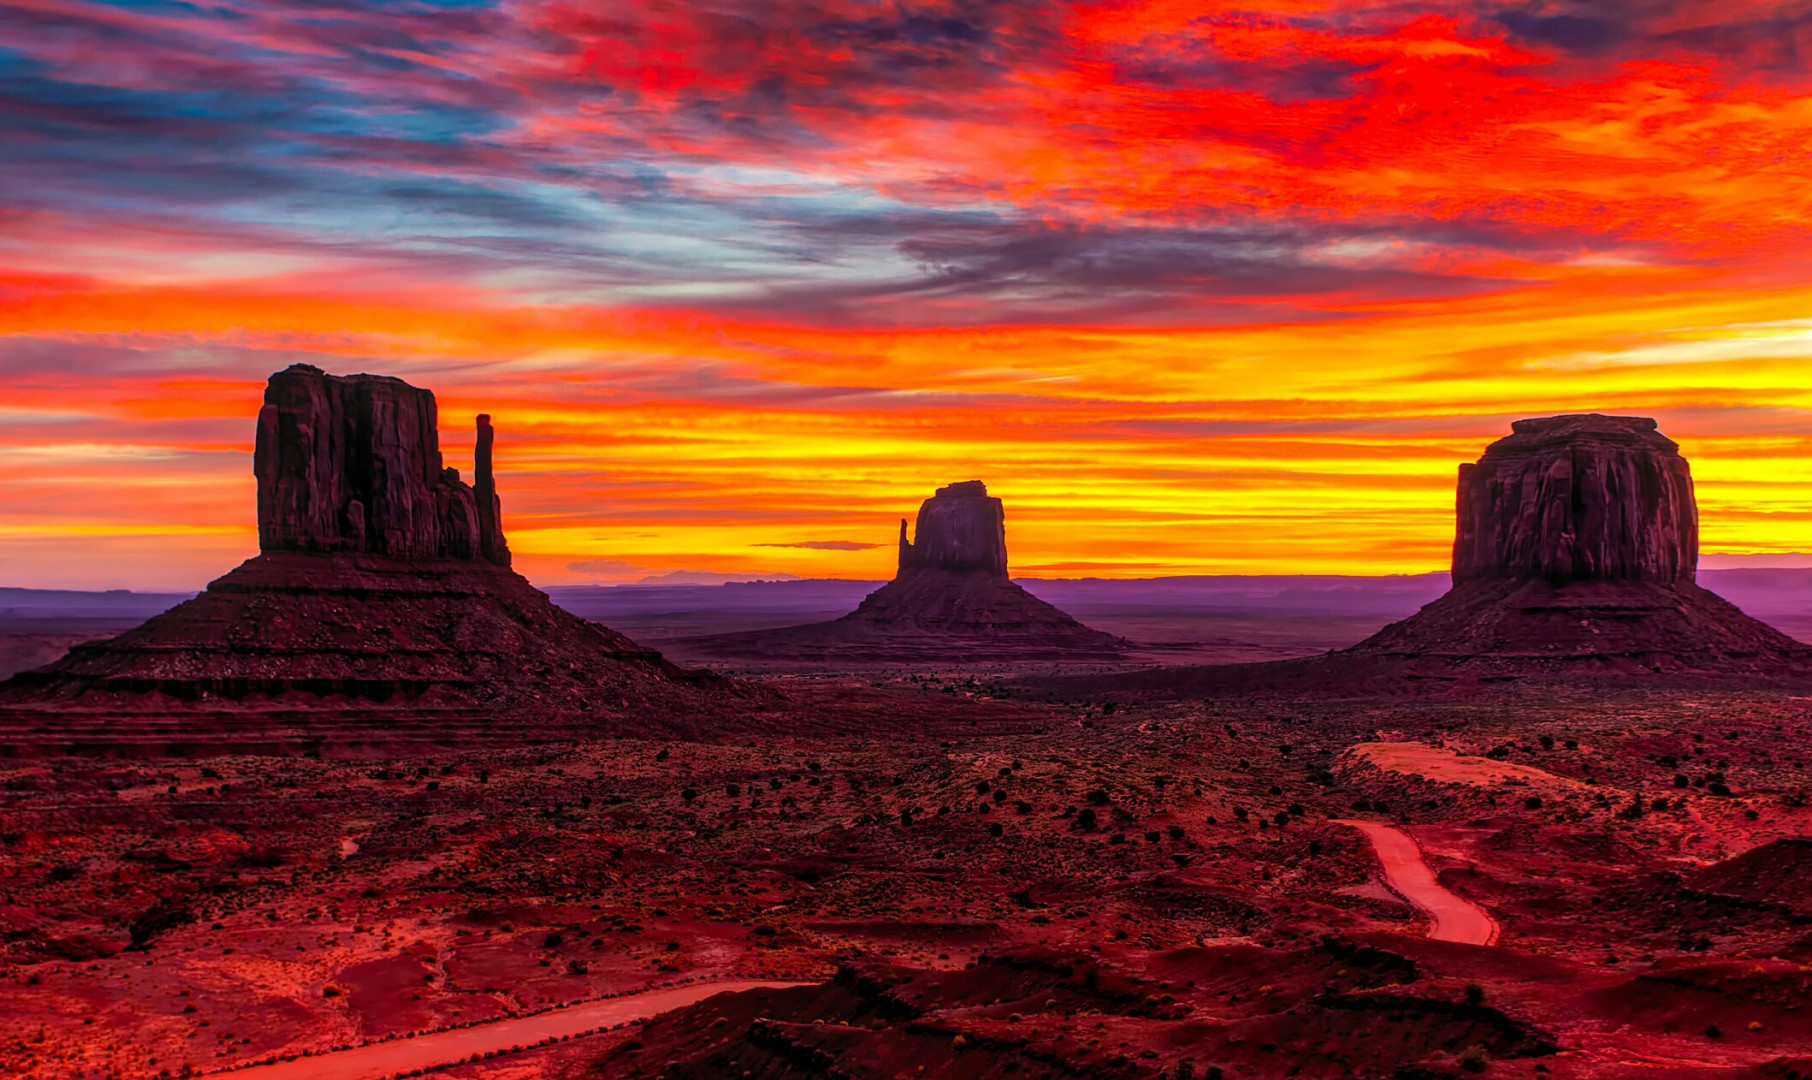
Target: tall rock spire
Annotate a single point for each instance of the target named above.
(491, 545)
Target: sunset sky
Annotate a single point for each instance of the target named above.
(1197, 287)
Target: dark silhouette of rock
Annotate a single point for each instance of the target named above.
(492, 547)
(1575, 550)
(962, 528)
(1577, 498)
(353, 463)
(383, 583)
(1576, 544)
(951, 602)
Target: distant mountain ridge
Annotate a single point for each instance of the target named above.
(1761, 591)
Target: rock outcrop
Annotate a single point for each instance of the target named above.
(353, 464)
(951, 602)
(1778, 872)
(1576, 544)
(1577, 498)
(962, 529)
(1575, 552)
(383, 584)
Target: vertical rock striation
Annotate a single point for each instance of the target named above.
(1578, 498)
(353, 464)
(962, 529)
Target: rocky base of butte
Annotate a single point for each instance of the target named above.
(1575, 553)
(383, 587)
(950, 602)
(1576, 546)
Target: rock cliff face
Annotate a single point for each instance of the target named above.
(383, 586)
(353, 464)
(1577, 498)
(961, 528)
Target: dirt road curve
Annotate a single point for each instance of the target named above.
(1455, 918)
(446, 1047)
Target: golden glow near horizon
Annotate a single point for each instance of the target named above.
(1196, 288)
(1325, 448)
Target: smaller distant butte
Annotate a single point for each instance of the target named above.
(951, 602)
(383, 587)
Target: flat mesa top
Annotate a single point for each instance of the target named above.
(1548, 430)
(963, 490)
(360, 377)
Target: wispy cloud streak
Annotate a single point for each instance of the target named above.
(1231, 283)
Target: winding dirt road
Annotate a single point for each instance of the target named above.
(1454, 917)
(448, 1047)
